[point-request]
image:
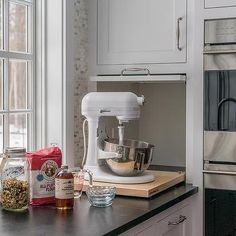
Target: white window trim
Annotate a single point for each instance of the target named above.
(55, 67)
(39, 74)
(6, 55)
(68, 81)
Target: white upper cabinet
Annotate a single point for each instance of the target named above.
(219, 3)
(141, 31)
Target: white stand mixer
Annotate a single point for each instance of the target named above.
(125, 106)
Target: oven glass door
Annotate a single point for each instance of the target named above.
(220, 92)
(220, 204)
(220, 100)
(220, 108)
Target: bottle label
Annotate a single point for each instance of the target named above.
(64, 188)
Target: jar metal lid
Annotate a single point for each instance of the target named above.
(15, 150)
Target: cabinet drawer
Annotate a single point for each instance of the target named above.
(176, 224)
(219, 3)
(172, 222)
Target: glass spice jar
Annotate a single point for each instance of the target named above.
(14, 180)
(64, 189)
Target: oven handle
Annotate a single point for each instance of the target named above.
(221, 180)
(219, 51)
(223, 101)
(219, 172)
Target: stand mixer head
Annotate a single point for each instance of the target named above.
(125, 106)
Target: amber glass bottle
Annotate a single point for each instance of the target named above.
(64, 189)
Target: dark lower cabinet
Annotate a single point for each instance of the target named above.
(220, 212)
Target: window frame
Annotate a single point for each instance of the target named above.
(53, 118)
(28, 57)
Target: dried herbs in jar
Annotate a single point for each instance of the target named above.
(15, 180)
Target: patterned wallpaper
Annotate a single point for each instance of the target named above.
(81, 72)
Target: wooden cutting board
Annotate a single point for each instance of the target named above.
(163, 180)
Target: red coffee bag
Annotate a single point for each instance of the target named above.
(44, 165)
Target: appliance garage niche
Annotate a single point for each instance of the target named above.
(162, 121)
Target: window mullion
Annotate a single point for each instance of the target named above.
(31, 71)
(16, 55)
(27, 3)
(6, 25)
(6, 103)
(33, 75)
(27, 29)
(6, 130)
(6, 84)
(5, 74)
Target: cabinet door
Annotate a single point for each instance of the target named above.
(219, 3)
(176, 224)
(141, 31)
(220, 212)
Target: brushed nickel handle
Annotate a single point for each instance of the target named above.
(179, 221)
(178, 33)
(220, 104)
(219, 172)
(206, 52)
(135, 70)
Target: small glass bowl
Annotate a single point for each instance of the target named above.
(101, 196)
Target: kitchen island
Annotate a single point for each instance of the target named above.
(84, 220)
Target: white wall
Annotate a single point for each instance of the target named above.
(163, 121)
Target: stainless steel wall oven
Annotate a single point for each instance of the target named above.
(220, 127)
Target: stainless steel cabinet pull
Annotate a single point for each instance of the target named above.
(179, 221)
(233, 51)
(135, 70)
(178, 32)
(219, 172)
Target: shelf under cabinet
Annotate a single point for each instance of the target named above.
(139, 78)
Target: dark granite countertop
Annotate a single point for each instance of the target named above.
(85, 220)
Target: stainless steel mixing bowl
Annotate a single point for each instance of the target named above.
(136, 156)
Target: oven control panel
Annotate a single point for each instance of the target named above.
(221, 31)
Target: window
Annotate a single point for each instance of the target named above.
(16, 73)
